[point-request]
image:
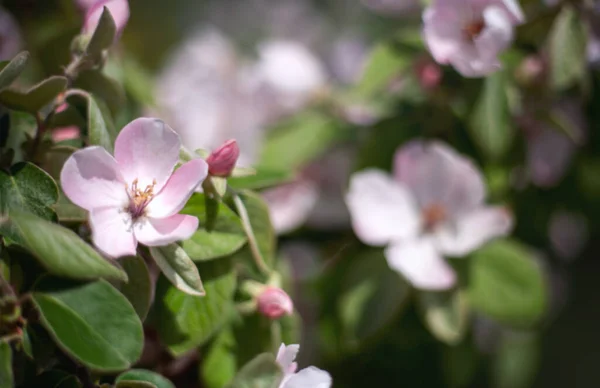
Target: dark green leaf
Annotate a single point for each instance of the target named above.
(567, 44)
(517, 361)
(226, 237)
(138, 290)
(38, 96)
(373, 295)
(26, 187)
(104, 35)
(177, 266)
(57, 379)
(219, 365)
(264, 177)
(61, 251)
(55, 158)
(135, 384)
(101, 130)
(446, 314)
(490, 124)
(185, 321)
(146, 376)
(10, 71)
(92, 322)
(300, 140)
(69, 212)
(6, 372)
(39, 346)
(262, 372)
(507, 284)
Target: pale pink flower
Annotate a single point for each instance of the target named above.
(119, 10)
(134, 196)
(291, 204)
(470, 34)
(222, 160)
(65, 133)
(432, 206)
(274, 303)
(10, 36)
(311, 377)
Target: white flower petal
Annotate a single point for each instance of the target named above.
(381, 209)
(419, 262)
(311, 377)
(472, 230)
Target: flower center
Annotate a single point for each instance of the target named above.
(433, 215)
(473, 29)
(139, 199)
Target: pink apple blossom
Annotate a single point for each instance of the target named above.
(274, 303)
(470, 34)
(222, 160)
(311, 377)
(432, 206)
(134, 196)
(119, 10)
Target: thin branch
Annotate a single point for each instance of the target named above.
(258, 259)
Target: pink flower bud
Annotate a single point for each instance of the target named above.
(273, 303)
(429, 74)
(119, 10)
(222, 160)
(65, 133)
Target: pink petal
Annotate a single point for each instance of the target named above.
(381, 209)
(147, 150)
(119, 10)
(496, 36)
(472, 230)
(163, 231)
(111, 231)
(311, 377)
(419, 262)
(438, 175)
(286, 356)
(442, 30)
(274, 303)
(178, 189)
(91, 179)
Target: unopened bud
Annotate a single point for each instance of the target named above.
(119, 10)
(429, 74)
(274, 303)
(221, 161)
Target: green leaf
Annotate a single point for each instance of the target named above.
(260, 220)
(26, 187)
(386, 61)
(104, 35)
(67, 211)
(101, 130)
(103, 87)
(226, 236)
(177, 266)
(490, 124)
(507, 284)
(38, 96)
(517, 361)
(262, 372)
(6, 372)
(372, 297)
(135, 384)
(300, 140)
(39, 346)
(61, 251)
(93, 322)
(264, 177)
(567, 45)
(446, 314)
(10, 71)
(144, 375)
(185, 321)
(57, 379)
(138, 290)
(219, 365)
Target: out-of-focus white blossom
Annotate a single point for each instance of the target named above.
(311, 377)
(470, 34)
(432, 207)
(10, 36)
